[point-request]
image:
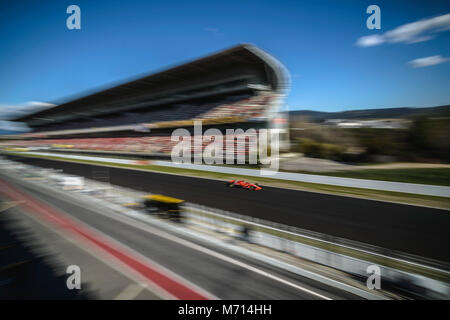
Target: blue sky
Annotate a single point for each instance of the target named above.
(41, 60)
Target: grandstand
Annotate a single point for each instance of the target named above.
(241, 87)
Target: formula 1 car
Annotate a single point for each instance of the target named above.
(244, 185)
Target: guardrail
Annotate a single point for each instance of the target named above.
(314, 238)
(411, 276)
(430, 278)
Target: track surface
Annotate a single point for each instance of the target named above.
(218, 277)
(411, 229)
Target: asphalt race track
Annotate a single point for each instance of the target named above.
(411, 229)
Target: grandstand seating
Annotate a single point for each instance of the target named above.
(250, 107)
(242, 106)
(143, 145)
(242, 86)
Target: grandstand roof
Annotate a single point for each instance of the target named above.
(244, 57)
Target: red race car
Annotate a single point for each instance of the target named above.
(244, 185)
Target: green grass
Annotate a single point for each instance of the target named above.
(433, 176)
(407, 198)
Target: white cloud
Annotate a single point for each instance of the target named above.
(418, 31)
(369, 41)
(427, 61)
(14, 111)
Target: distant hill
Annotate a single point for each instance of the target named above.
(386, 113)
